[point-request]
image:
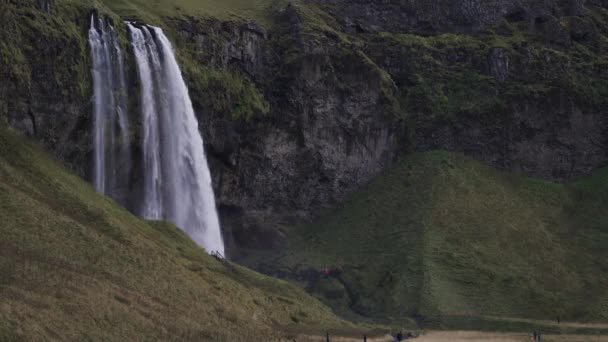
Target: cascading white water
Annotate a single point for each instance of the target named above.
(177, 181)
(111, 124)
(151, 207)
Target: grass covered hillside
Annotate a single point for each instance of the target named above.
(441, 236)
(75, 266)
(226, 10)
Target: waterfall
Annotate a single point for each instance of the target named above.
(111, 124)
(177, 181)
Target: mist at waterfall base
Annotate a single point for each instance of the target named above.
(176, 178)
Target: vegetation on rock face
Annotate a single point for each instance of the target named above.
(45, 78)
(74, 266)
(229, 10)
(223, 92)
(439, 238)
(449, 75)
(30, 42)
(45, 71)
(440, 235)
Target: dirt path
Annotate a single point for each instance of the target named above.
(460, 336)
(468, 336)
(308, 338)
(553, 323)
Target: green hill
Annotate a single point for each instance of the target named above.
(75, 266)
(443, 236)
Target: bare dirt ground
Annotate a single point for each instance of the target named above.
(468, 336)
(547, 322)
(308, 338)
(461, 336)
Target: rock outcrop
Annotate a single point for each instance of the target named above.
(45, 85)
(329, 130)
(45, 5)
(519, 107)
(441, 16)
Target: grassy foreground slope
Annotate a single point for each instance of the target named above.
(443, 236)
(75, 266)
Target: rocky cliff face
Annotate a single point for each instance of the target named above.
(552, 138)
(329, 129)
(441, 16)
(523, 108)
(44, 77)
(302, 112)
(524, 91)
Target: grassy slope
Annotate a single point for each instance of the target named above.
(240, 10)
(442, 235)
(75, 266)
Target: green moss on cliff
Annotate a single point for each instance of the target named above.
(319, 25)
(43, 51)
(223, 92)
(449, 75)
(156, 11)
